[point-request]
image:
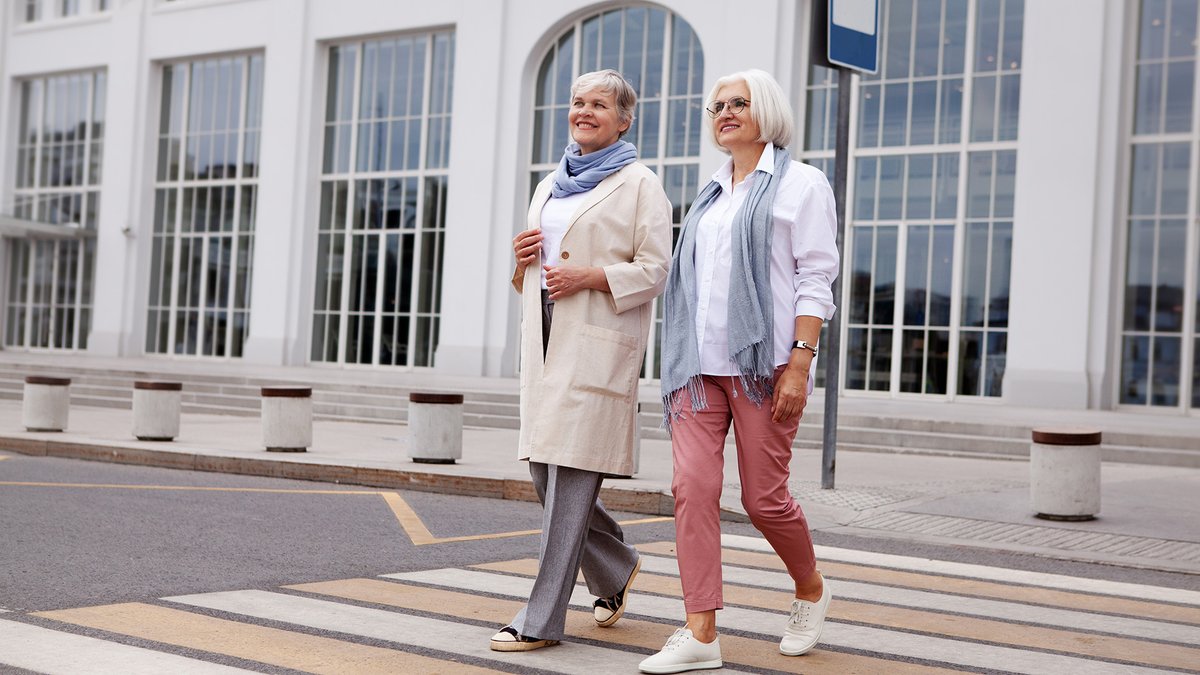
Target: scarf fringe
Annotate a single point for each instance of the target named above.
(756, 372)
(673, 401)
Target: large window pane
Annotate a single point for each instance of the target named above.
(904, 191)
(59, 146)
(1161, 227)
(380, 236)
(209, 126)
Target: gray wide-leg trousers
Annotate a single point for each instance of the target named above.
(576, 533)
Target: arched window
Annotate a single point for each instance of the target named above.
(659, 54)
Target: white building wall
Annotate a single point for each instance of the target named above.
(1067, 234)
(1063, 209)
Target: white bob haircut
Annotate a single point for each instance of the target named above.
(609, 81)
(768, 107)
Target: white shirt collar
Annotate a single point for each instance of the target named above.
(766, 162)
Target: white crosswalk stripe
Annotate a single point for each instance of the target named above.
(770, 625)
(418, 631)
(890, 614)
(50, 651)
(949, 568)
(903, 597)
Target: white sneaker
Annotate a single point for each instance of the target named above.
(684, 652)
(805, 624)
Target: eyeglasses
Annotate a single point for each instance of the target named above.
(736, 105)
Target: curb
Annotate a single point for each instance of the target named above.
(632, 500)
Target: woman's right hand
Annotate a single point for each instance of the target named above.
(527, 246)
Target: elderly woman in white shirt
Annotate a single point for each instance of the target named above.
(748, 291)
(593, 256)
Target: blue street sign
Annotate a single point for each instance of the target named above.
(854, 34)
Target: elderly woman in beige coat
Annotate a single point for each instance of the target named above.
(593, 255)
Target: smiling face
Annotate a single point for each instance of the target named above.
(595, 121)
(735, 130)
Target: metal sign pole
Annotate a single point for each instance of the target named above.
(832, 346)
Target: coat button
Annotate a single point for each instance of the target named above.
(565, 255)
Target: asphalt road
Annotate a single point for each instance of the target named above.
(71, 538)
(76, 535)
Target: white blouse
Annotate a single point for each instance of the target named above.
(804, 258)
(556, 216)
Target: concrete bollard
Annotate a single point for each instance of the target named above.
(435, 425)
(1064, 481)
(287, 418)
(47, 403)
(156, 408)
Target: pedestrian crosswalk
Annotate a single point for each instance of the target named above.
(890, 614)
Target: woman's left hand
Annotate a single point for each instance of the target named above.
(566, 281)
(791, 394)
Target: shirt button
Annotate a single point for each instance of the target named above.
(565, 255)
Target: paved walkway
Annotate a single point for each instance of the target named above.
(1150, 515)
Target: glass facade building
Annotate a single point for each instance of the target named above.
(340, 190)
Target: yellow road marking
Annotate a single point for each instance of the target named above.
(421, 536)
(408, 519)
(272, 646)
(4, 457)
(628, 632)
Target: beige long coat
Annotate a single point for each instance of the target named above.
(579, 408)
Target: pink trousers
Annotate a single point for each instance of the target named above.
(764, 449)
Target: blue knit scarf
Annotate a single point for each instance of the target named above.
(751, 308)
(579, 173)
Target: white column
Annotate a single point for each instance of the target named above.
(278, 299)
(479, 213)
(1061, 216)
(118, 300)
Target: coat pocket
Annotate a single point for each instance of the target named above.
(607, 363)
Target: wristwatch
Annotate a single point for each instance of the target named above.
(801, 344)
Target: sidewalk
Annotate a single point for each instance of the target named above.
(1150, 515)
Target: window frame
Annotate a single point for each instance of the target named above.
(964, 148)
(1189, 333)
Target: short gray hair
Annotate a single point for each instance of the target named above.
(609, 81)
(769, 107)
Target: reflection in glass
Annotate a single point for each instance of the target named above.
(1164, 382)
(386, 256)
(1196, 374)
(895, 114)
(983, 109)
(1148, 99)
(61, 129)
(1178, 112)
(864, 188)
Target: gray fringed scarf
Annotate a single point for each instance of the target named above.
(751, 309)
